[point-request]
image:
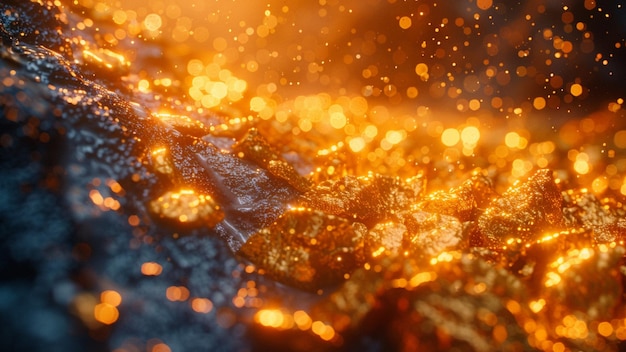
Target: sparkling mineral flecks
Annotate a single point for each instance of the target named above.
(307, 249)
(187, 207)
(161, 161)
(404, 175)
(524, 212)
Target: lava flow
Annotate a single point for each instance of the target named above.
(341, 175)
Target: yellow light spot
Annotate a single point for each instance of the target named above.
(552, 279)
(405, 22)
(106, 313)
(539, 103)
(605, 329)
(338, 120)
(152, 22)
(479, 288)
(177, 293)
(96, 197)
(219, 90)
(326, 332)
(111, 203)
(470, 136)
(537, 306)
(513, 307)
(512, 139)
(305, 125)
(302, 320)
(201, 305)
(257, 104)
(133, 220)
(378, 252)
(395, 136)
(357, 144)
(151, 269)
(422, 70)
(443, 257)
(166, 82)
(111, 297)
(585, 253)
(450, 137)
(581, 166)
(143, 86)
(422, 278)
(484, 4)
(576, 89)
(119, 17)
(114, 186)
(270, 317)
(520, 167)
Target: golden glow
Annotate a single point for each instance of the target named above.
(405, 22)
(161, 161)
(152, 22)
(177, 293)
(104, 203)
(302, 320)
(106, 313)
(484, 4)
(576, 89)
(470, 136)
(270, 317)
(422, 71)
(514, 140)
(187, 207)
(605, 329)
(357, 144)
(111, 297)
(151, 269)
(326, 332)
(537, 306)
(423, 277)
(513, 306)
(213, 85)
(581, 163)
(201, 305)
(276, 318)
(573, 328)
(552, 279)
(539, 103)
(450, 137)
(446, 96)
